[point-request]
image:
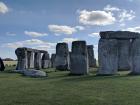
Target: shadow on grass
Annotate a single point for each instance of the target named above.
(64, 75)
(96, 78)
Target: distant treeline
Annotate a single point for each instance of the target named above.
(8, 59)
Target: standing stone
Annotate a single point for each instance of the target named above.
(79, 58)
(45, 61)
(37, 60)
(62, 56)
(108, 56)
(2, 67)
(135, 57)
(30, 56)
(91, 59)
(22, 58)
(53, 60)
(123, 54)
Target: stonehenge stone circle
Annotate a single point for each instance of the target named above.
(53, 60)
(135, 57)
(29, 58)
(124, 54)
(34, 73)
(79, 58)
(91, 59)
(45, 61)
(108, 56)
(37, 60)
(118, 50)
(22, 58)
(62, 56)
(2, 67)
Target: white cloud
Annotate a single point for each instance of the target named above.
(109, 15)
(121, 14)
(13, 45)
(35, 34)
(3, 8)
(96, 17)
(111, 8)
(122, 24)
(79, 28)
(62, 29)
(33, 43)
(69, 40)
(23, 43)
(133, 29)
(94, 35)
(126, 15)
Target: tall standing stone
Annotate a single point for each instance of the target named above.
(22, 58)
(91, 59)
(37, 60)
(79, 58)
(2, 67)
(108, 56)
(45, 61)
(135, 57)
(30, 57)
(124, 54)
(53, 60)
(62, 56)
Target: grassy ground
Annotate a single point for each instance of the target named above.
(61, 89)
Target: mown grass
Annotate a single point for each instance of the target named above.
(61, 89)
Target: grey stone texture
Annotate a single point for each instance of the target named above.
(62, 56)
(29, 58)
(79, 58)
(53, 60)
(37, 60)
(91, 58)
(108, 56)
(2, 67)
(31, 73)
(34, 73)
(118, 50)
(135, 57)
(119, 35)
(45, 61)
(124, 54)
(22, 58)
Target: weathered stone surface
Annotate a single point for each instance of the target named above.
(124, 54)
(53, 60)
(22, 58)
(34, 73)
(2, 67)
(45, 61)
(62, 56)
(119, 35)
(30, 58)
(135, 57)
(79, 58)
(108, 56)
(37, 60)
(91, 59)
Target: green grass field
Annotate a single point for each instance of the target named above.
(61, 89)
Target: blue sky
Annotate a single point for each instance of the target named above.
(42, 23)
